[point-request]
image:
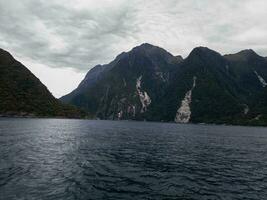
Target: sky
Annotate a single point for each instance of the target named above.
(60, 40)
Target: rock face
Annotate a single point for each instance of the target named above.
(148, 83)
(263, 82)
(184, 112)
(128, 86)
(22, 94)
(143, 96)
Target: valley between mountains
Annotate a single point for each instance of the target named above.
(149, 83)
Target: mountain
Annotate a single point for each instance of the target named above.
(22, 94)
(148, 83)
(201, 91)
(127, 86)
(250, 72)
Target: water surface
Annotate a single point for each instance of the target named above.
(47, 159)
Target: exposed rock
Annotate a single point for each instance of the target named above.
(246, 109)
(143, 96)
(184, 112)
(263, 82)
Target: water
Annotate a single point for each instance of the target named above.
(46, 159)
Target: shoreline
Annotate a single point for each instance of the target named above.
(141, 121)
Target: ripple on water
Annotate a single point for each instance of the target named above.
(78, 159)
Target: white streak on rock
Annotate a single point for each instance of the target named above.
(183, 114)
(246, 109)
(120, 115)
(263, 82)
(124, 82)
(143, 96)
(131, 110)
(134, 111)
(258, 117)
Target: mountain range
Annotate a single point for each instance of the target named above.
(23, 95)
(149, 83)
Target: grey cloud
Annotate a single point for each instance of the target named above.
(61, 36)
(84, 33)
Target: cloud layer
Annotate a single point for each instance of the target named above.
(79, 34)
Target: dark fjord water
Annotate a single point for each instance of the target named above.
(47, 159)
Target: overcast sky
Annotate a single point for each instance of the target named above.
(60, 40)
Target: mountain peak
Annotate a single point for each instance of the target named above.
(145, 44)
(154, 53)
(145, 47)
(201, 48)
(243, 55)
(248, 52)
(203, 52)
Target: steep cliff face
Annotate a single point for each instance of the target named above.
(128, 86)
(22, 94)
(148, 83)
(250, 72)
(201, 91)
(183, 114)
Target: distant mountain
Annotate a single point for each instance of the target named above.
(201, 91)
(22, 94)
(125, 87)
(148, 83)
(250, 72)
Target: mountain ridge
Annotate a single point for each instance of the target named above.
(23, 94)
(149, 83)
